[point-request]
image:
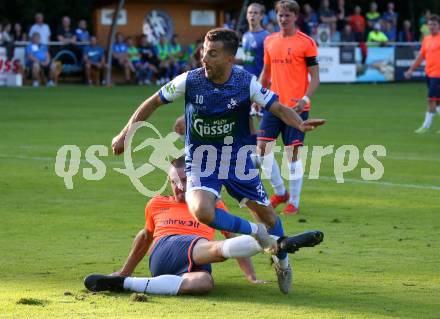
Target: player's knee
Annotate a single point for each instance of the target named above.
(201, 284)
(204, 213)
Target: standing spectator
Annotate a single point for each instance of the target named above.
(120, 56)
(340, 15)
(391, 15)
(424, 29)
(347, 34)
(327, 15)
(271, 18)
(42, 29)
(376, 36)
(65, 33)
(38, 58)
(18, 34)
(148, 60)
(81, 33)
(310, 21)
(357, 23)
(406, 35)
(335, 35)
(6, 33)
(270, 27)
(94, 62)
(373, 16)
(390, 31)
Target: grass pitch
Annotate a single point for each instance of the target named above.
(380, 257)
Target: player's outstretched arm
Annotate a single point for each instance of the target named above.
(414, 66)
(142, 113)
(291, 118)
(141, 244)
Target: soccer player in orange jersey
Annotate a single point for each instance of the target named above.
(430, 52)
(182, 249)
(290, 57)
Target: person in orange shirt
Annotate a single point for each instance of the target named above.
(182, 249)
(290, 56)
(430, 52)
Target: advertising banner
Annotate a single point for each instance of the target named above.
(404, 57)
(331, 69)
(378, 67)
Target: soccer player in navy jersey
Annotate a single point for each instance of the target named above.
(218, 142)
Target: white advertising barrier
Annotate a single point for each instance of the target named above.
(331, 69)
(10, 69)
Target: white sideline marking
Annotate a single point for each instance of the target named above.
(327, 178)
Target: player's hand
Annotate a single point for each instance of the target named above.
(310, 125)
(256, 110)
(118, 144)
(300, 105)
(179, 125)
(408, 74)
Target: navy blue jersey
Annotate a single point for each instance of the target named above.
(217, 114)
(253, 48)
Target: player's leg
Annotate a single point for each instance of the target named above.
(432, 103)
(294, 139)
(270, 127)
(201, 202)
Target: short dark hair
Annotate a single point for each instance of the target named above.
(229, 38)
(290, 5)
(258, 5)
(178, 162)
(435, 18)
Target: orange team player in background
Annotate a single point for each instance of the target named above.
(430, 52)
(290, 56)
(183, 248)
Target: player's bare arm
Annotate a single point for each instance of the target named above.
(291, 118)
(142, 113)
(414, 66)
(141, 244)
(311, 89)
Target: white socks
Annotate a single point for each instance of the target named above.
(271, 170)
(282, 263)
(160, 285)
(438, 109)
(295, 181)
(241, 246)
(428, 119)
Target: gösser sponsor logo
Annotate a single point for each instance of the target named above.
(346, 159)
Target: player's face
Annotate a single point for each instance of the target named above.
(215, 60)
(177, 178)
(254, 16)
(286, 19)
(434, 27)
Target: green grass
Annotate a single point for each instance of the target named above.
(380, 258)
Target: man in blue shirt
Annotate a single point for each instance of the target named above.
(37, 59)
(218, 142)
(120, 56)
(94, 62)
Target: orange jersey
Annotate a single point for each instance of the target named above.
(165, 216)
(287, 59)
(431, 53)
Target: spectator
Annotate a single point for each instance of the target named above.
(372, 16)
(347, 34)
(271, 17)
(340, 15)
(42, 29)
(163, 52)
(120, 57)
(148, 60)
(390, 31)
(176, 55)
(81, 33)
(424, 30)
(390, 15)
(327, 15)
(6, 33)
(229, 21)
(196, 56)
(37, 59)
(135, 60)
(310, 21)
(406, 35)
(94, 61)
(65, 33)
(335, 35)
(18, 34)
(357, 24)
(270, 27)
(376, 36)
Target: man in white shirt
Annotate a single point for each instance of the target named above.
(40, 27)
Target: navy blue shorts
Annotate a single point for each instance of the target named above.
(271, 126)
(172, 255)
(433, 89)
